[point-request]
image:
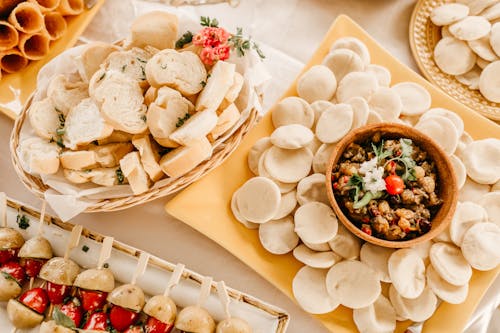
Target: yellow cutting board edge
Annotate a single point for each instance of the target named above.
(205, 205)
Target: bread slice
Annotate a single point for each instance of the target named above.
(85, 124)
(195, 128)
(149, 157)
(99, 176)
(217, 85)
(44, 118)
(182, 71)
(77, 176)
(131, 63)
(91, 58)
(181, 160)
(78, 160)
(133, 170)
(164, 121)
(109, 155)
(38, 156)
(65, 94)
(165, 94)
(150, 95)
(235, 88)
(121, 101)
(116, 137)
(227, 119)
(157, 28)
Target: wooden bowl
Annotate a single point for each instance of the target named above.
(446, 180)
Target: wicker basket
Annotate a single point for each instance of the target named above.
(424, 36)
(173, 185)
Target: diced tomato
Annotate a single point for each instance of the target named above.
(97, 321)
(73, 310)
(366, 229)
(92, 299)
(122, 318)
(32, 266)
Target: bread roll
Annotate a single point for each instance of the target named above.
(12, 61)
(217, 86)
(235, 88)
(181, 160)
(109, 155)
(195, 128)
(134, 172)
(157, 29)
(163, 121)
(44, 118)
(99, 176)
(9, 37)
(55, 25)
(91, 58)
(38, 156)
(64, 94)
(27, 18)
(78, 160)
(149, 157)
(227, 119)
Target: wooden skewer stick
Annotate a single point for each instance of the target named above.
(206, 287)
(141, 267)
(73, 240)
(174, 279)
(107, 245)
(42, 218)
(224, 297)
(3, 208)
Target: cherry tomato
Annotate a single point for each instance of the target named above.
(366, 229)
(153, 325)
(7, 255)
(394, 184)
(57, 292)
(97, 321)
(15, 270)
(32, 266)
(92, 299)
(36, 299)
(121, 318)
(73, 310)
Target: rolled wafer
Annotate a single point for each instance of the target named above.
(6, 6)
(27, 18)
(35, 46)
(71, 7)
(55, 24)
(12, 61)
(47, 5)
(9, 37)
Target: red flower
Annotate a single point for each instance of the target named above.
(214, 43)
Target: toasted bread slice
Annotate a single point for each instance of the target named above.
(217, 85)
(133, 170)
(131, 63)
(149, 157)
(44, 118)
(181, 160)
(195, 128)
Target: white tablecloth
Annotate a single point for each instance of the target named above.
(289, 31)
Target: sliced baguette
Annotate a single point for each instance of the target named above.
(65, 94)
(235, 88)
(149, 157)
(121, 101)
(99, 176)
(77, 176)
(85, 124)
(150, 95)
(157, 28)
(78, 160)
(131, 63)
(133, 170)
(195, 128)
(38, 156)
(44, 118)
(182, 71)
(217, 86)
(163, 121)
(181, 160)
(90, 60)
(116, 137)
(109, 155)
(165, 94)
(227, 119)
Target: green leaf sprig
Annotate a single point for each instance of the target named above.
(241, 44)
(186, 38)
(206, 21)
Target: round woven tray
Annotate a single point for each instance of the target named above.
(424, 35)
(36, 185)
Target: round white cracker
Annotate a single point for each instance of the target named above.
(472, 191)
(317, 83)
(334, 123)
(382, 74)
(309, 290)
(373, 118)
(316, 259)
(466, 215)
(353, 44)
(418, 309)
(471, 78)
(444, 290)
(292, 136)
(407, 272)
(387, 103)
(481, 246)
(322, 157)
(460, 172)
(495, 38)
(376, 318)
(278, 236)
(440, 129)
(450, 264)
(455, 118)
(481, 160)
(255, 153)
(470, 28)
(287, 205)
(345, 243)
(319, 247)
(445, 56)
(342, 62)
(312, 188)
(415, 98)
(288, 166)
(315, 222)
(237, 214)
(292, 110)
(354, 84)
(489, 82)
(258, 199)
(284, 187)
(318, 107)
(449, 13)
(377, 257)
(491, 203)
(360, 111)
(482, 48)
(353, 283)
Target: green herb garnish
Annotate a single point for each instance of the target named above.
(85, 248)
(356, 182)
(60, 142)
(206, 21)
(106, 265)
(141, 60)
(181, 121)
(60, 131)
(186, 38)
(61, 319)
(241, 44)
(119, 176)
(380, 152)
(203, 83)
(23, 221)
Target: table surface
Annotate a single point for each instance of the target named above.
(295, 27)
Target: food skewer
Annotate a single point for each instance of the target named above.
(230, 324)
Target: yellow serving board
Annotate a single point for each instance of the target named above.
(205, 205)
(16, 88)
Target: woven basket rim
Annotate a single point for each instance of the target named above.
(422, 47)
